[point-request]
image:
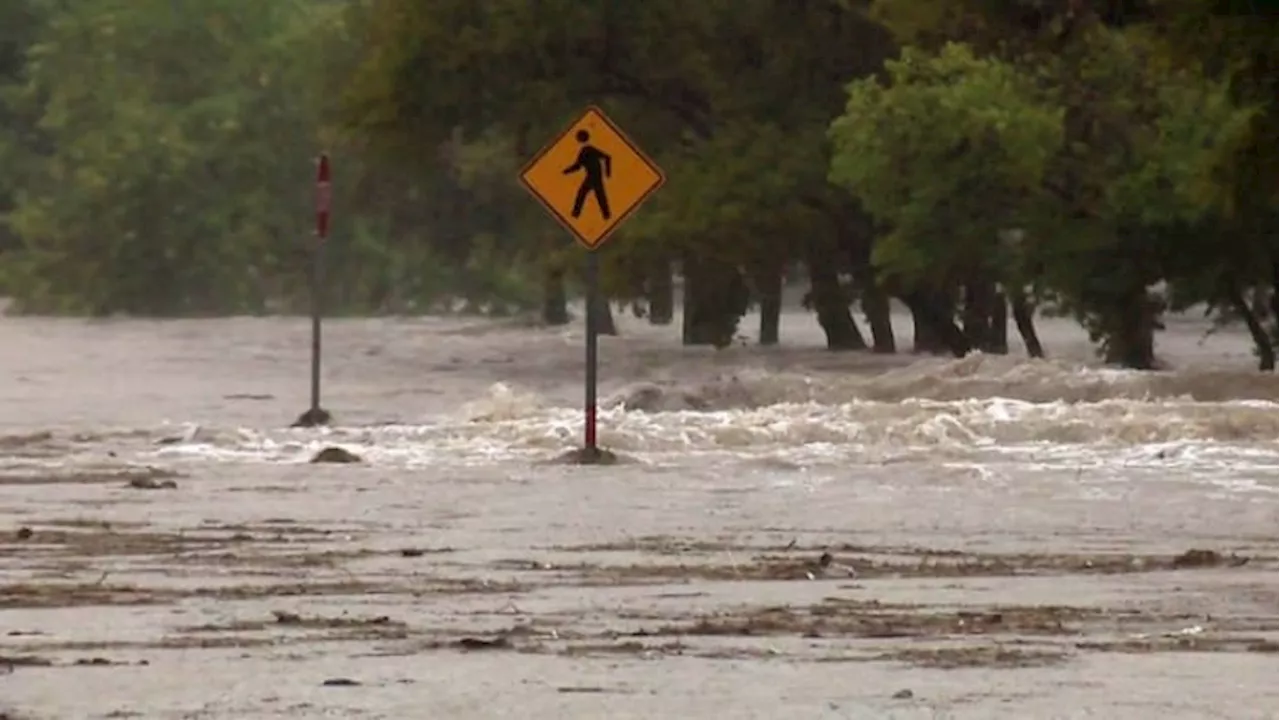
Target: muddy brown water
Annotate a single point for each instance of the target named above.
(794, 533)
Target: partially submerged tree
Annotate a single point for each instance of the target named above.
(1065, 154)
(948, 154)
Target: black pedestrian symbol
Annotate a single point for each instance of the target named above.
(596, 166)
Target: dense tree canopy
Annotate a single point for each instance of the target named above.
(1110, 159)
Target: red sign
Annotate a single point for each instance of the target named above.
(324, 196)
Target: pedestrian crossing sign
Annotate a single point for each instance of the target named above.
(591, 178)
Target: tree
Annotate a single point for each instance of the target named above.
(1072, 155)
(170, 170)
(1233, 202)
(20, 143)
(952, 151)
(738, 125)
(148, 135)
(1112, 214)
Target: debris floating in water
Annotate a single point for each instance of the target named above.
(334, 454)
(147, 482)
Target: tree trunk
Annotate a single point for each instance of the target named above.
(1261, 302)
(832, 308)
(1130, 337)
(1253, 320)
(661, 292)
(689, 334)
(977, 313)
(1024, 319)
(932, 312)
(715, 299)
(555, 306)
(769, 289)
(604, 316)
(931, 315)
(875, 305)
(999, 337)
(924, 339)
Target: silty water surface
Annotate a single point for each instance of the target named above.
(457, 420)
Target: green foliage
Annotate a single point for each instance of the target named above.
(159, 156)
(1114, 160)
(949, 154)
(20, 22)
(737, 123)
(168, 167)
(121, 121)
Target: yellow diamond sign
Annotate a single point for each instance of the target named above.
(591, 178)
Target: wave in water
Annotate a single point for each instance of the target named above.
(979, 407)
(513, 426)
(975, 376)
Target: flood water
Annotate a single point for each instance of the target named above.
(793, 533)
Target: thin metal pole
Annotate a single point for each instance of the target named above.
(317, 282)
(593, 293)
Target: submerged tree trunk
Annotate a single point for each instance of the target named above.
(1024, 320)
(985, 316)
(1260, 302)
(925, 340)
(555, 306)
(832, 307)
(933, 313)
(999, 337)
(715, 299)
(975, 315)
(661, 293)
(932, 322)
(1129, 331)
(688, 333)
(875, 298)
(1253, 315)
(604, 316)
(875, 305)
(769, 291)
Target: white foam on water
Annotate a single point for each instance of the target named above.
(984, 412)
(1214, 439)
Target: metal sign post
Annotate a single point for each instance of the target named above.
(317, 415)
(593, 355)
(591, 178)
